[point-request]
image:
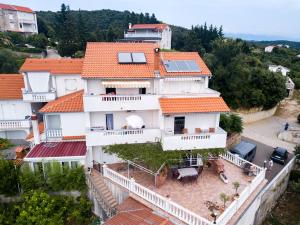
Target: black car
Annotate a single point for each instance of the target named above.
(279, 155)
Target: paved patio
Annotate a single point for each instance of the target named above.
(193, 196)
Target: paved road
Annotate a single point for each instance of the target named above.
(264, 152)
(52, 53)
(266, 131)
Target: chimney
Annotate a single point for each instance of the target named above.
(35, 129)
(156, 60)
(129, 26)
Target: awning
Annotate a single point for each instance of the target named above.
(126, 84)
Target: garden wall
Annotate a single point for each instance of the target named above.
(255, 114)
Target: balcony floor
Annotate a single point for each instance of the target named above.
(194, 195)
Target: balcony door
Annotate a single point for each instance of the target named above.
(179, 124)
(110, 91)
(109, 121)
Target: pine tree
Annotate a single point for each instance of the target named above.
(82, 33)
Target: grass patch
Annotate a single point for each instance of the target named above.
(153, 156)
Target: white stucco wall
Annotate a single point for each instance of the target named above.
(184, 87)
(72, 124)
(14, 134)
(38, 82)
(194, 120)
(150, 118)
(66, 84)
(101, 157)
(166, 39)
(14, 110)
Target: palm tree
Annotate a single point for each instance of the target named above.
(224, 198)
(236, 186)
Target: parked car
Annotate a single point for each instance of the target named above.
(279, 155)
(245, 150)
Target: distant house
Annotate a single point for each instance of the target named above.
(298, 56)
(270, 48)
(290, 86)
(18, 19)
(153, 33)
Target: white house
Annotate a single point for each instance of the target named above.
(15, 114)
(18, 19)
(269, 49)
(155, 33)
(279, 69)
(166, 92)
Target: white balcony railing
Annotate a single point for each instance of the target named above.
(53, 133)
(180, 212)
(142, 35)
(97, 137)
(15, 124)
(38, 97)
(94, 103)
(203, 140)
(156, 199)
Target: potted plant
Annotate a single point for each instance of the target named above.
(236, 185)
(224, 198)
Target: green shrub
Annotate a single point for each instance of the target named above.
(9, 178)
(30, 180)
(297, 151)
(295, 175)
(28, 50)
(231, 123)
(5, 143)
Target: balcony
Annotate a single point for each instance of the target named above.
(38, 97)
(202, 140)
(53, 133)
(143, 35)
(14, 124)
(97, 103)
(97, 137)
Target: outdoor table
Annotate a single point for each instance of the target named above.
(187, 172)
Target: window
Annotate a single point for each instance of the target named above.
(109, 121)
(142, 91)
(111, 91)
(53, 122)
(70, 84)
(21, 26)
(74, 164)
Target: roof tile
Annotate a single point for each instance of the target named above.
(54, 66)
(101, 60)
(68, 103)
(193, 105)
(16, 8)
(10, 86)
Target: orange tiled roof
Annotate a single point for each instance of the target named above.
(54, 66)
(192, 105)
(68, 103)
(183, 56)
(159, 26)
(16, 8)
(41, 128)
(70, 138)
(132, 212)
(101, 60)
(10, 86)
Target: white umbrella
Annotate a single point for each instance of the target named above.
(135, 122)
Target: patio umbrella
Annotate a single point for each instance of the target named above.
(135, 122)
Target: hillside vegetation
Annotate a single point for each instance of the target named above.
(240, 69)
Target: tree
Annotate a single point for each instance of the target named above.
(38, 40)
(236, 186)
(10, 62)
(231, 123)
(224, 198)
(9, 178)
(82, 32)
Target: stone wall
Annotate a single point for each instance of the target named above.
(255, 114)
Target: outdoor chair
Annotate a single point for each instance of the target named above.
(184, 130)
(211, 130)
(197, 130)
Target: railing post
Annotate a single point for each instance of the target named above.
(132, 184)
(104, 167)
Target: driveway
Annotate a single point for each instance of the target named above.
(266, 131)
(263, 152)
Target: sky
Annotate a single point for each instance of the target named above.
(260, 17)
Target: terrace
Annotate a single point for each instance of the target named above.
(191, 202)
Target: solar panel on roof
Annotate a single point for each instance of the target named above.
(181, 66)
(194, 67)
(138, 57)
(125, 57)
(170, 66)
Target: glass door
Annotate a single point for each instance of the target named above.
(179, 124)
(109, 121)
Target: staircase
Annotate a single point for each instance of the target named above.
(102, 193)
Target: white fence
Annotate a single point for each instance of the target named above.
(15, 124)
(53, 133)
(163, 203)
(236, 204)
